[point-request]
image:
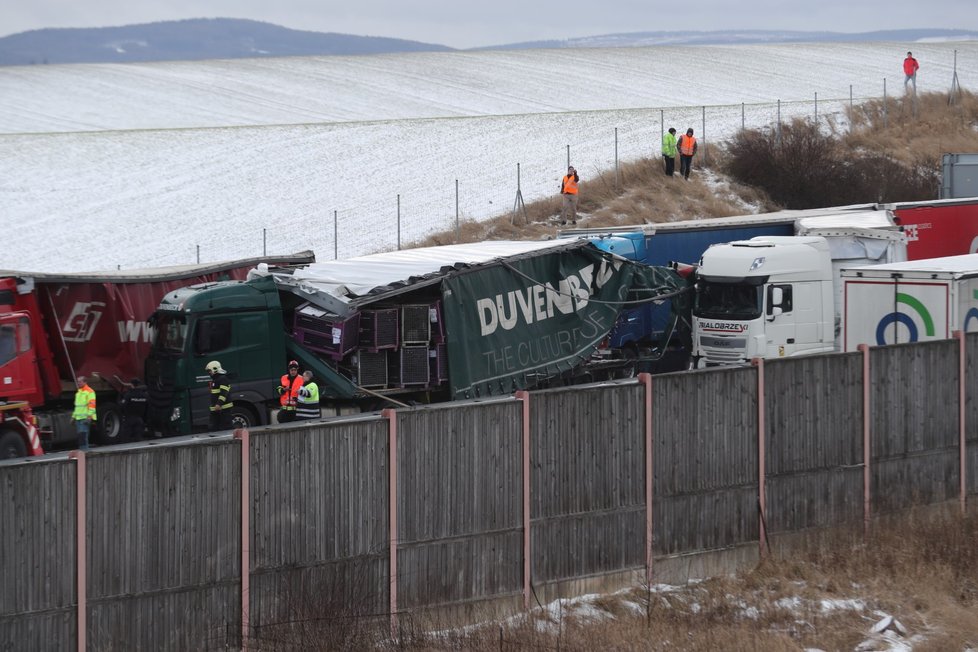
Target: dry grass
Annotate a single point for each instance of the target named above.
(643, 195)
(826, 594)
(901, 154)
(938, 128)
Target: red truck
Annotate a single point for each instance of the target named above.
(56, 327)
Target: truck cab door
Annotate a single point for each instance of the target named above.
(247, 347)
(779, 318)
(18, 374)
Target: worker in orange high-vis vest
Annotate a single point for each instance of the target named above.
(568, 190)
(687, 150)
(288, 393)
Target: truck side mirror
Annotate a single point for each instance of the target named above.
(775, 297)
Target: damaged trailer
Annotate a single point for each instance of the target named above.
(421, 325)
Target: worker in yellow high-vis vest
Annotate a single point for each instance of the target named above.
(84, 414)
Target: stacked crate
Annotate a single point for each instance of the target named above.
(324, 332)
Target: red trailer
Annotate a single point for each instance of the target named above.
(943, 227)
(56, 327)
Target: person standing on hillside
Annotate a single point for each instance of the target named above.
(910, 68)
(669, 151)
(687, 150)
(568, 190)
(84, 414)
(220, 391)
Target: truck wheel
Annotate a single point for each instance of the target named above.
(12, 445)
(109, 424)
(243, 417)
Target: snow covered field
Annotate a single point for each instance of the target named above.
(105, 166)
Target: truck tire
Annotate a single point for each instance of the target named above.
(12, 445)
(243, 416)
(108, 426)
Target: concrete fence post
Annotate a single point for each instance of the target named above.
(867, 451)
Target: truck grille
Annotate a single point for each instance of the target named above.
(718, 349)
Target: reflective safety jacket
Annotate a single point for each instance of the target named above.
(220, 388)
(569, 184)
(308, 407)
(687, 145)
(84, 404)
(669, 145)
(288, 390)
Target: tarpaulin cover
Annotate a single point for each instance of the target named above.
(510, 326)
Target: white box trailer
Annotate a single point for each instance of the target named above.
(910, 301)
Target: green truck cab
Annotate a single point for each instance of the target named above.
(239, 324)
(235, 322)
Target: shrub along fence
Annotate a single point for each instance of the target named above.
(199, 543)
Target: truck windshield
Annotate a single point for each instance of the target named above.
(728, 300)
(171, 333)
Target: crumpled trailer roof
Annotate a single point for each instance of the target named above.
(346, 285)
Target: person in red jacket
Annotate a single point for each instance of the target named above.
(288, 393)
(910, 68)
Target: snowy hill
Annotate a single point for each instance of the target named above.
(150, 161)
(743, 37)
(188, 40)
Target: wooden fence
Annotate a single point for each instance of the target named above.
(204, 542)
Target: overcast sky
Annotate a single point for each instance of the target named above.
(464, 24)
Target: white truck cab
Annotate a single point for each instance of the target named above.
(769, 296)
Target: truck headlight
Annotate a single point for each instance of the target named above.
(175, 416)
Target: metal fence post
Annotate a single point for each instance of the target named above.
(662, 129)
(852, 115)
(886, 114)
(779, 123)
(616, 159)
(706, 150)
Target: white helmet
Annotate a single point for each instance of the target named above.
(214, 367)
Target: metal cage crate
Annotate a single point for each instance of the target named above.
(379, 329)
(372, 368)
(415, 324)
(414, 366)
(438, 364)
(324, 332)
